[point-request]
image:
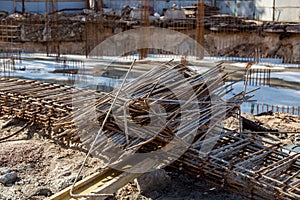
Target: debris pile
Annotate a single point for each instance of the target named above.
(65, 27)
(230, 23)
(280, 27)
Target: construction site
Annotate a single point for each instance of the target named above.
(149, 99)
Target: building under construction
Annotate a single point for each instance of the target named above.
(57, 26)
(178, 80)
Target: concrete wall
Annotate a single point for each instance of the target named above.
(266, 10)
(284, 10)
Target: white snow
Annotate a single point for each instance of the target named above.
(287, 76)
(256, 66)
(270, 95)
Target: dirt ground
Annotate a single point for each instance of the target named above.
(187, 187)
(44, 167)
(181, 187)
(286, 125)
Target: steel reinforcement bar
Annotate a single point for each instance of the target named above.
(255, 167)
(252, 166)
(42, 103)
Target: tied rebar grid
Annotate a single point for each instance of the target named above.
(42, 103)
(252, 166)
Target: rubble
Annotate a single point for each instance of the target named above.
(57, 30)
(230, 23)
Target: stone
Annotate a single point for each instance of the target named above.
(43, 192)
(8, 178)
(154, 180)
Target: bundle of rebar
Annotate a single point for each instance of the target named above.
(170, 103)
